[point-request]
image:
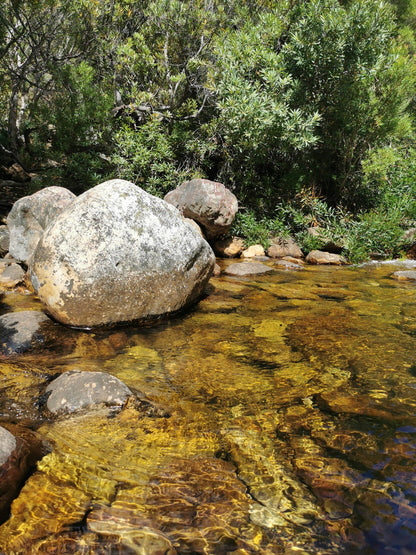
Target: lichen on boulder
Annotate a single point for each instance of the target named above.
(119, 254)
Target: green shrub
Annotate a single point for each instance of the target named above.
(257, 230)
(375, 231)
(146, 157)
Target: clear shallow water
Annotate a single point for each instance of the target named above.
(279, 417)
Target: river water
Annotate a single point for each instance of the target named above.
(277, 416)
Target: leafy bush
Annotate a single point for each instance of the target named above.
(257, 230)
(375, 231)
(145, 156)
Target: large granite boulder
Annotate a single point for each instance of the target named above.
(30, 216)
(74, 391)
(118, 254)
(210, 204)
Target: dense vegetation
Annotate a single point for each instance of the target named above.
(304, 108)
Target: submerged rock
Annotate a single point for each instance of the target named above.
(119, 254)
(247, 269)
(287, 265)
(30, 216)
(209, 203)
(20, 330)
(74, 391)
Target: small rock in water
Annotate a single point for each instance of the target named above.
(7, 445)
(74, 391)
(20, 330)
(321, 257)
(253, 251)
(287, 265)
(247, 269)
(405, 275)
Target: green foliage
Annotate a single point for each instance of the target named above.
(374, 232)
(79, 112)
(258, 230)
(261, 133)
(145, 157)
(300, 107)
(346, 66)
(390, 177)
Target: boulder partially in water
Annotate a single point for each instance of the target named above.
(74, 391)
(119, 254)
(322, 257)
(30, 216)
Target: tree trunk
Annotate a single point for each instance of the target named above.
(13, 132)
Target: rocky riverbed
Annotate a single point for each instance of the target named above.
(276, 416)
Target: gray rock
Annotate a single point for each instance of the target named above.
(247, 269)
(118, 254)
(74, 391)
(7, 445)
(11, 276)
(209, 203)
(20, 330)
(4, 240)
(30, 216)
(284, 246)
(405, 275)
(321, 257)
